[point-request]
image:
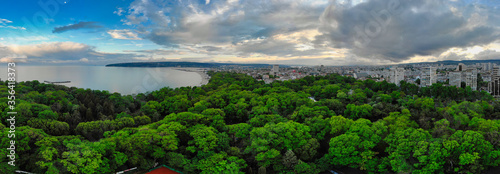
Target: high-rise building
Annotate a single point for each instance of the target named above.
(471, 79)
(275, 70)
(396, 75)
(461, 67)
(428, 76)
(494, 85)
(455, 78)
(486, 66)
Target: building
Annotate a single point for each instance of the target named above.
(275, 70)
(455, 79)
(461, 67)
(361, 75)
(396, 75)
(428, 76)
(486, 66)
(163, 169)
(494, 85)
(471, 79)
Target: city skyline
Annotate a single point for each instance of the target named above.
(330, 33)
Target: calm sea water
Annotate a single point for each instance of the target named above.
(124, 80)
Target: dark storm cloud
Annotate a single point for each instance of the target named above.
(77, 26)
(397, 30)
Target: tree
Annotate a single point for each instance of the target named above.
(289, 159)
(355, 147)
(81, 157)
(150, 108)
(354, 112)
(236, 124)
(402, 144)
(471, 152)
(204, 139)
(51, 127)
(270, 141)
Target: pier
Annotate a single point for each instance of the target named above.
(56, 82)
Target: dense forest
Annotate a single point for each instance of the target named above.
(236, 124)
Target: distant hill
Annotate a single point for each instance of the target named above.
(467, 62)
(185, 64)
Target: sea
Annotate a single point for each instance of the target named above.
(124, 80)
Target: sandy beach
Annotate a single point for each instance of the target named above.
(201, 71)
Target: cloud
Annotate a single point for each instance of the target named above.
(488, 54)
(6, 55)
(77, 26)
(483, 55)
(84, 60)
(370, 31)
(61, 52)
(68, 50)
(242, 28)
(4, 24)
(26, 38)
(119, 12)
(123, 34)
(157, 52)
(266, 47)
(181, 22)
(4, 21)
(211, 48)
(397, 32)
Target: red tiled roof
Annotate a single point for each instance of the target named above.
(162, 170)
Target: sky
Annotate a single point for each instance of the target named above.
(292, 32)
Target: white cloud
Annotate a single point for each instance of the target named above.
(4, 22)
(119, 12)
(84, 60)
(40, 50)
(28, 38)
(123, 34)
(12, 27)
(12, 59)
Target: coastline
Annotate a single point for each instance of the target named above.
(201, 71)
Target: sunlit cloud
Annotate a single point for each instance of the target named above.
(123, 34)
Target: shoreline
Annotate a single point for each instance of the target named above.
(201, 71)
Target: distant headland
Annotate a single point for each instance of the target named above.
(184, 64)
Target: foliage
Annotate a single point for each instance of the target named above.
(236, 124)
